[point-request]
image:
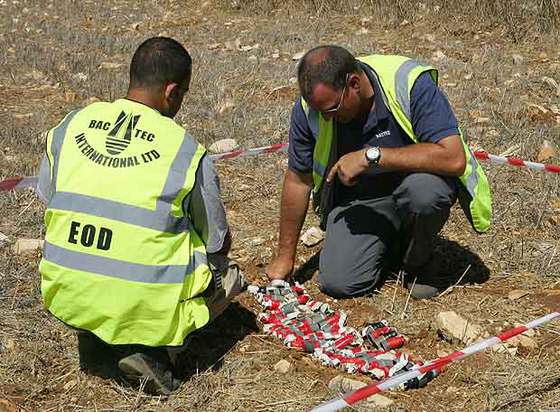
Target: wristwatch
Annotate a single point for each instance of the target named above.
(373, 155)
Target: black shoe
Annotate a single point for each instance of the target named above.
(420, 291)
(154, 375)
(423, 282)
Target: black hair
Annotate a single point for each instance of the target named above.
(325, 64)
(159, 60)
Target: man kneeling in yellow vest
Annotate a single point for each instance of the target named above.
(376, 142)
(136, 233)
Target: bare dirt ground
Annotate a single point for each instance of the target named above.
(57, 56)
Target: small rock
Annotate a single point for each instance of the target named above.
(517, 294)
(70, 384)
(276, 54)
(91, 100)
(481, 120)
(70, 96)
(312, 236)
(225, 106)
(523, 341)
(81, 76)
(22, 116)
(553, 84)
(223, 145)
(257, 241)
(439, 56)
(517, 59)
(428, 37)
(283, 366)
(252, 58)
(468, 76)
(344, 385)
(26, 245)
(546, 152)
(110, 65)
(504, 348)
(458, 327)
(8, 406)
(298, 56)
(135, 26)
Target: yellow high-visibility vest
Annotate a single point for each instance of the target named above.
(121, 257)
(396, 76)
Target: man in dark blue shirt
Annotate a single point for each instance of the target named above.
(386, 211)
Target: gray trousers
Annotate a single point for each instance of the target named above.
(366, 238)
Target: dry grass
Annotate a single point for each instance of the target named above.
(50, 65)
(518, 19)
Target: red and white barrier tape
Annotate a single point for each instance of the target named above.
(435, 365)
(275, 148)
(515, 161)
(18, 182)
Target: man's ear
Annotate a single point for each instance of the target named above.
(170, 90)
(354, 81)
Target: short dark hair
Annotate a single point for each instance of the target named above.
(159, 60)
(327, 64)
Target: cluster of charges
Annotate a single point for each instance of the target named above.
(306, 324)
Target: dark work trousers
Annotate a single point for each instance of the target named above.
(366, 238)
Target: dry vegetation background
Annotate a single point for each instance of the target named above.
(492, 56)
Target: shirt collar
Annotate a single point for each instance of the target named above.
(380, 111)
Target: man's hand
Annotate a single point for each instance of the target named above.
(349, 167)
(280, 268)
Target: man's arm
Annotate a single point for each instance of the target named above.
(298, 183)
(440, 150)
(445, 157)
(293, 208)
(207, 210)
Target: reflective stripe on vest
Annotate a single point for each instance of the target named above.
(58, 137)
(123, 270)
(396, 76)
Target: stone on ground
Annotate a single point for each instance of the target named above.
(312, 236)
(342, 384)
(224, 145)
(459, 328)
(283, 366)
(27, 245)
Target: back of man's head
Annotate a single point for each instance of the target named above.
(325, 64)
(159, 60)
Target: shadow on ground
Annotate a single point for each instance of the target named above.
(205, 349)
(209, 346)
(453, 263)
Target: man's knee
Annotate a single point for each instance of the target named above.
(424, 194)
(347, 285)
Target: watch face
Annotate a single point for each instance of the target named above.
(372, 154)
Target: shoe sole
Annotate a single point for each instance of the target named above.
(137, 369)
